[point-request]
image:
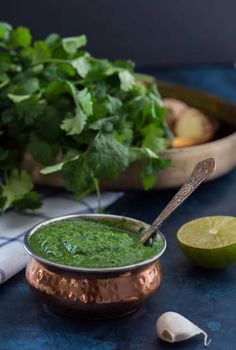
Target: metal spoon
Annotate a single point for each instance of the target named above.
(200, 173)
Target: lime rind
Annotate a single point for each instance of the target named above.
(213, 252)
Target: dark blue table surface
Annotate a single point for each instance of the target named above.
(206, 297)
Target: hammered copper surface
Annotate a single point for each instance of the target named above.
(94, 293)
(93, 296)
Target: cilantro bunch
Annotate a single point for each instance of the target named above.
(83, 118)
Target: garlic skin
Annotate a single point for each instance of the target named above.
(173, 327)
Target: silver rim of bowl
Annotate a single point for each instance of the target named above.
(89, 270)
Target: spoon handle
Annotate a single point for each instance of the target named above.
(200, 173)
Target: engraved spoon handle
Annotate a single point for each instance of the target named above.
(200, 173)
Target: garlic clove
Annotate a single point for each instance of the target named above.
(173, 327)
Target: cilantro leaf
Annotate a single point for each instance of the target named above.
(65, 70)
(148, 176)
(153, 138)
(16, 186)
(40, 52)
(21, 37)
(127, 80)
(4, 80)
(113, 104)
(57, 167)
(55, 88)
(5, 29)
(104, 124)
(52, 168)
(47, 123)
(18, 98)
(53, 40)
(90, 116)
(85, 100)
(27, 86)
(108, 157)
(30, 200)
(75, 124)
(149, 172)
(137, 153)
(72, 44)
(42, 151)
(82, 65)
(27, 107)
(78, 176)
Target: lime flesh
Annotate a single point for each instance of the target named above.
(209, 242)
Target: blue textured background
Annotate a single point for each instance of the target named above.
(208, 298)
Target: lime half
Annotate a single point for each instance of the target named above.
(209, 242)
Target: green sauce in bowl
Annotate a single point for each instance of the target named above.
(91, 244)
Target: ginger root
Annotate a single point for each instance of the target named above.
(188, 125)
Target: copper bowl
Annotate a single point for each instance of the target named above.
(94, 293)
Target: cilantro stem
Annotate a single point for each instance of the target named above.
(80, 81)
(97, 188)
(50, 60)
(5, 177)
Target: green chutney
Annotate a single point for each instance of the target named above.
(91, 244)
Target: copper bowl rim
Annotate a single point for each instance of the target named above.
(90, 270)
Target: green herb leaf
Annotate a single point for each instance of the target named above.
(30, 200)
(4, 80)
(85, 100)
(62, 104)
(52, 168)
(149, 172)
(21, 37)
(78, 176)
(42, 151)
(40, 52)
(113, 104)
(127, 80)
(72, 44)
(137, 153)
(18, 98)
(65, 70)
(28, 109)
(57, 167)
(108, 157)
(148, 176)
(17, 185)
(153, 138)
(27, 86)
(105, 124)
(82, 65)
(47, 123)
(74, 125)
(5, 30)
(53, 40)
(149, 181)
(55, 88)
